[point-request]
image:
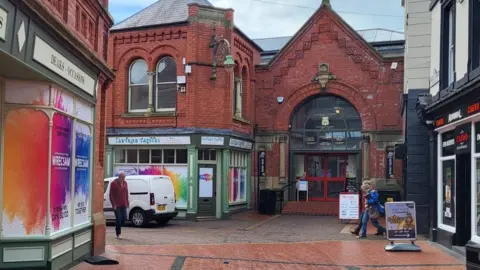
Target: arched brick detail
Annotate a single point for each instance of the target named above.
(130, 55)
(165, 50)
(349, 93)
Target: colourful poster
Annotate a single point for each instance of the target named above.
(60, 198)
(235, 183)
(178, 174)
(25, 173)
(82, 173)
(205, 183)
(242, 183)
(230, 184)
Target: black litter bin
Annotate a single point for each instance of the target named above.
(267, 202)
(278, 201)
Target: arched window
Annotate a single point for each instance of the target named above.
(326, 123)
(138, 86)
(166, 94)
(237, 92)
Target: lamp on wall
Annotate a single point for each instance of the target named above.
(221, 53)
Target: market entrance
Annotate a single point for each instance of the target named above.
(325, 146)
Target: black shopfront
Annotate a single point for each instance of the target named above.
(454, 123)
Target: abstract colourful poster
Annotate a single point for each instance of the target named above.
(60, 189)
(24, 92)
(25, 173)
(205, 183)
(242, 183)
(230, 184)
(178, 174)
(82, 173)
(235, 183)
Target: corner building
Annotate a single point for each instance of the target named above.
(53, 80)
(323, 105)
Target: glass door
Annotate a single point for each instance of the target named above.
(326, 176)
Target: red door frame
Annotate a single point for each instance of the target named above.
(325, 178)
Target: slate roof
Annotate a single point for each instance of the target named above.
(158, 13)
(370, 35)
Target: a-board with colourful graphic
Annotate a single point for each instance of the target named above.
(60, 183)
(83, 138)
(178, 174)
(25, 173)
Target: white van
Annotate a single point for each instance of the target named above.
(151, 197)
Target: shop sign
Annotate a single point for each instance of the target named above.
(349, 206)
(208, 140)
(240, 144)
(3, 23)
(390, 163)
(44, 54)
(310, 140)
(154, 140)
(458, 114)
(401, 221)
(448, 143)
(462, 139)
(261, 164)
(477, 137)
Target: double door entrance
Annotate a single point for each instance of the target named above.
(326, 176)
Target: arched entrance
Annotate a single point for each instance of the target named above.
(325, 146)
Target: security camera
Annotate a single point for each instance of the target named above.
(280, 100)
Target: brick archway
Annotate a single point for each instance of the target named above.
(346, 91)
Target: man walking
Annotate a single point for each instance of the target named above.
(119, 200)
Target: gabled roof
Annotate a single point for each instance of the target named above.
(158, 13)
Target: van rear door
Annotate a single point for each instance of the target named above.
(164, 193)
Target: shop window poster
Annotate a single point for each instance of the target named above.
(83, 140)
(205, 183)
(448, 192)
(60, 189)
(242, 184)
(236, 172)
(25, 174)
(178, 175)
(22, 92)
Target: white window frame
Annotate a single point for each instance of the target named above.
(161, 83)
(115, 163)
(474, 236)
(130, 87)
(451, 44)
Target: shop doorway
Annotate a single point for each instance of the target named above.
(462, 200)
(326, 176)
(207, 190)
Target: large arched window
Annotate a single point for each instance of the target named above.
(138, 86)
(326, 123)
(166, 94)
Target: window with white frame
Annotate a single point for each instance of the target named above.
(138, 86)
(446, 182)
(150, 156)
(476, 184)
(237, 178)
(166, 94)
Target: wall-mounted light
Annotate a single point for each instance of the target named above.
(221, 53)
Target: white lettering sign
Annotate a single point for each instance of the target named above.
(206, 140)
(448, 143)
(56, 62)
(155, 140)
(240, 144)
(3, 23)
(454, 116)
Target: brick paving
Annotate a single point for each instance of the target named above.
(251, 241)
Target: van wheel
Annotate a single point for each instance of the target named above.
(138, 218)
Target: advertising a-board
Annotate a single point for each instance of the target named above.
(401, 220)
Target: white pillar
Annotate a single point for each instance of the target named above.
(151, 88)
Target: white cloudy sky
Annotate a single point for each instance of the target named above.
(271, 18)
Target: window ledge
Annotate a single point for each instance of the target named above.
(154, 114)
(241, 119)
(237, 203)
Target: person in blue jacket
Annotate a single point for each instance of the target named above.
(373, 210)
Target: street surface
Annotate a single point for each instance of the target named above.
(251, 241)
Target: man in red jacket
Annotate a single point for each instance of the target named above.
(119, 200)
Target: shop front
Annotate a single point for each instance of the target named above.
(457, 128)
(47, 119)
(209, 172)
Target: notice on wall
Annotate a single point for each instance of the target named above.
(349, 206)
(82, 173)
(205, 183)
(60, 199)
(401, 220)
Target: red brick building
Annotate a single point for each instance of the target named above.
(179, 108)
(53, 81)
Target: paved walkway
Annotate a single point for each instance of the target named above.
(350, 255)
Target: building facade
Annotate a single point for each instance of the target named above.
(323, 105)
(451, 113)
(53, 80)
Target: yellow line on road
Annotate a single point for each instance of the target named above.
(261, 223)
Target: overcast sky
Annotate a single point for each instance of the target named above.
(272, 18)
